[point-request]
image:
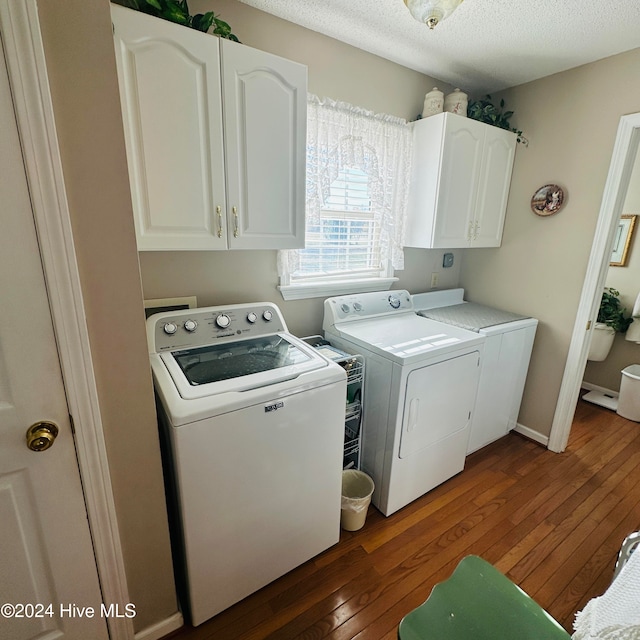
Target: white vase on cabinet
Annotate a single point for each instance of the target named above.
(215, 133)
(461, 174)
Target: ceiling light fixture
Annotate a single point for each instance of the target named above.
(431, 12)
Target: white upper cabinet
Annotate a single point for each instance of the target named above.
(216, 138)
(460, 183)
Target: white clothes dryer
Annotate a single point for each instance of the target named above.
(252, 427)
(419, 391)
(507, 352)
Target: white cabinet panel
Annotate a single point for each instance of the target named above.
(172, 116)
(495, 180)
(216, 138)
(460, 183)
(265, 133)
(459, 177)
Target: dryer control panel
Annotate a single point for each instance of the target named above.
(360, 306)
(188, 328)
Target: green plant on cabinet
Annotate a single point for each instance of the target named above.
(178, 11)
(484, 110)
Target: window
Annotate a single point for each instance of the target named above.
(346, 238)
(357, 180)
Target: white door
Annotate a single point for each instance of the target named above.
(48, 575)
(460, 174)
(439, 402)
(493, 190)
(265, 108)
(170, 94)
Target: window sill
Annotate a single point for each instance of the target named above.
(327, 289)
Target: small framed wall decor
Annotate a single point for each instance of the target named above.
(547, 200)
(622, 241)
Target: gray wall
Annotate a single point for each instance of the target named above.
(81, 66)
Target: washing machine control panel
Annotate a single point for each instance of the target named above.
(188, 328)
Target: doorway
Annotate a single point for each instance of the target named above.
(622, 161)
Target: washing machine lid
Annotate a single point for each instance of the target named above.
(406, 338)
(210, 370)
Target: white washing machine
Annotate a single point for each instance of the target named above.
(252, 424)
(507, 352)
(419, 391)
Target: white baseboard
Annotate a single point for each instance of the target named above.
(162, 628)
(531, 434)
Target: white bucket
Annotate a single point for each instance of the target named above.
(629, 399)
(357, 488)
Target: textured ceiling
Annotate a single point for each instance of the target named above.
(485, 45)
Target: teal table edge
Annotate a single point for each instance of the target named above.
(479, 603)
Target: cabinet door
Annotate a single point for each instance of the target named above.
(459, 178)
(265, 100)
(493, 187)
(169, 80)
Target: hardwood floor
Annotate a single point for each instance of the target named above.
(553, 523)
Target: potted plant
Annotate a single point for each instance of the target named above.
(611, 320)
(485, 111)
(612, 313)
(178, 11)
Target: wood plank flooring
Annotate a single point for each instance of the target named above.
(553, 523)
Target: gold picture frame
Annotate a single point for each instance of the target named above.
(622, 241)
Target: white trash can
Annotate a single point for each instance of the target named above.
(629, 399)
(357, 488)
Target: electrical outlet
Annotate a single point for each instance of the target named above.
(434, 279)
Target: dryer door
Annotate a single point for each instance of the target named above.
(439, 402)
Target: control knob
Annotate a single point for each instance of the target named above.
(223, 320)
(344, 307)
(190, 325)
(394, 302)
(267, 315)
(251, 317)
(170, 328)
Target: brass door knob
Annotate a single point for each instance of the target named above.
(40, 436)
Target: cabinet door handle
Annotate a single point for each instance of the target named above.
(219, 214)
(234, 210)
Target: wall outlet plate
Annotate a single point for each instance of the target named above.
(447, 260)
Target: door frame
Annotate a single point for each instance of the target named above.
(26, 65)
(622, 160)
